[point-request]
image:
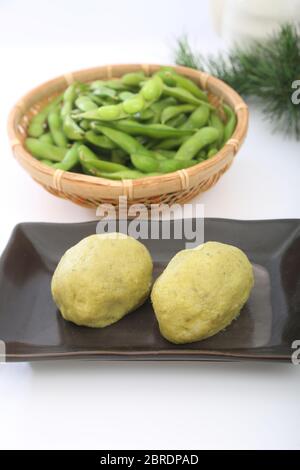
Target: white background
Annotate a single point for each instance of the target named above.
(138, 405)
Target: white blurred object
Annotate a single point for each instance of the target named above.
(241, 20)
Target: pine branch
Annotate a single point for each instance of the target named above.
(265, 69)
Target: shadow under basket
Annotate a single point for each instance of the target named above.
(90, 191)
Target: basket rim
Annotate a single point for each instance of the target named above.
(206, 80)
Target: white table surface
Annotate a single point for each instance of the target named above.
(138, 405)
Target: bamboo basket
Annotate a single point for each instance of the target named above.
(90, 191)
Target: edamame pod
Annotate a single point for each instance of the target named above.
(231, 122)
(152, 89)
(99, 140)
(46, 138)
(134, 105)
(71, 129)
(156, 131)
(190, 148)
(144, 163)
(84, 103)
(186, 84)
(173, 111)
(198, 118)
(133, 78)
(70, 159)
(44, 151)
(90, 160)
(184, 96)
(56, 128)
(37, 124)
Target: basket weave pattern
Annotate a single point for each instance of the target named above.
(90, 191)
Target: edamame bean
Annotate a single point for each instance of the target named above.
(173, 111)
(152, 89)
(105, 113)
(134, 105)
(178, 121)
(216, 122)
(133, 78)
(71, 129)
(70, 159)
(44, 151)
(184, 96)
(185, 83)
(84, 103)
(156, 131)
(198, 118)
(200, 139)
(46, 138)
(99, 140)
(168, 166)
(56, 128)
(230, 123)
(144, 163)
(37, 124)
(69, 98)
(90, 160)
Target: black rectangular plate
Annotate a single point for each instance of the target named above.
(33, 329)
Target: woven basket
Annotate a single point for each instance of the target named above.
(90, 191)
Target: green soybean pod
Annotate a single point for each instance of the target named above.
(84, 103)
(168, 166)
(188, 85)
(152, 89)
(133, 78)
(190, 148)
(56, 128)
(134, 105)
(87, 157)
(47, 162)
(144, 163)
(105, 113)
(69, 98)
(216, 122)
(44, 151)
(198, 118)
(119, 156)
(126, 95)
(126, 142)
(184, 96)
(70, 159)
(37, 124)
(85, 124)
(173, 111)
(100, 140)
(144, 115)
(71, 129)
(178, 121)
(46, 138)
(156, 131)
(172, 143)
(231, 122)
(166, 153)
(105, 92)
(158, 106)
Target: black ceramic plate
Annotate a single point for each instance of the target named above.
(33, 329)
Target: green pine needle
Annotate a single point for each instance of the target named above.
(265, 70)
